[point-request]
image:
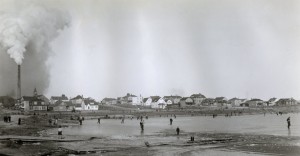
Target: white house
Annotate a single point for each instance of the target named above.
(272, 101)
(174, 98)
(168, 102)
(197, 98)
(157, 102)
(89, 104)
(236, 102)
(130, 99)
(147, 101)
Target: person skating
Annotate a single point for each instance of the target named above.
(288, 122)
(19, 121)
(142, 125)
(177, 130)
(171, 121)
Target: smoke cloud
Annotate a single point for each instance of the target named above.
(26, 31)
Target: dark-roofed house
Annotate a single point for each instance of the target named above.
(286, 102)
(254, 103)
(77, 100)
(174, 98)
(32, 103)
(157, 102)
(54, 99)
(35, 102)
(186, 101)
(272, 101)
(220, 101)
(235, 102)
(147, 101)
(62, 106)
(198, 98)
(109, 101)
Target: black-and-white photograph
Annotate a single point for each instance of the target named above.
(149, 77)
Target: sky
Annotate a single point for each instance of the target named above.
(232, 48)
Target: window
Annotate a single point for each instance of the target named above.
(35, 103)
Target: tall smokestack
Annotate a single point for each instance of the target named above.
(19, 83)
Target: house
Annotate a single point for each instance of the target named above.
(62, 106)
(77, 100)
(168, 101)
(157, 102)
(235, 102)
(54, 99)
(109, 101)
(89, 104)
(198, 98)
(272, 101)
(130, 99)
(220, 101)
(175, 99)
(32, 103)
(147, 101)
(254, 103)
(208, 102)
(286, 102)
(35, 102)
(186, 101)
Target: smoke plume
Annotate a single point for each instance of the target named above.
(26, 31)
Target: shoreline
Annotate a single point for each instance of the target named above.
(36, 126)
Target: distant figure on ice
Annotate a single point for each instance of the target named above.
(60, 132)
(19, 121)
(122, 120)
(288, 122)
(98, 120)
(142, 125)
(171, 121)
(80, 120)
(177, 130)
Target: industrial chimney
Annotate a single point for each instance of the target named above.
(19, 83)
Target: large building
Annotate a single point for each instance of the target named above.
(35, 102)
(130, 99)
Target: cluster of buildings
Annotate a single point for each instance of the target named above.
(56, 103)
(79, 103)
(172, 101)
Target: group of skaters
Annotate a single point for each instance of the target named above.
(53, 121)
(7, 118)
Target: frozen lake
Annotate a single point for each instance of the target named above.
(270, 124)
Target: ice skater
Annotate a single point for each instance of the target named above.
(177, 130)
(288, 122)
(142, 125)
(171, 121)
(60, 132)
(98, 121)
(19, 121)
